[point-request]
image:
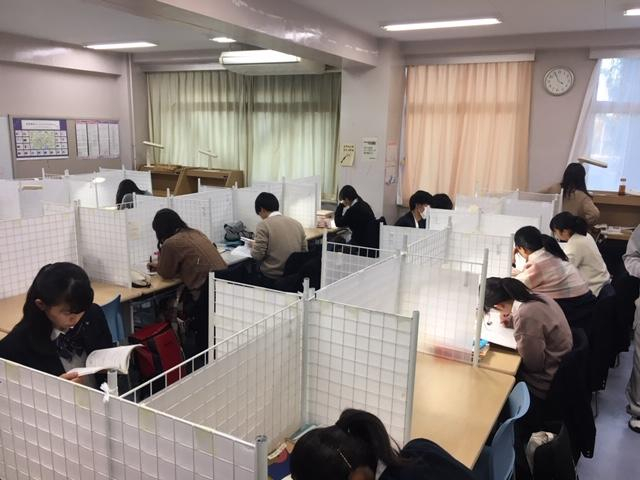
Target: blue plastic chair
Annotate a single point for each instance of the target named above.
(497, 461)
(114, 320)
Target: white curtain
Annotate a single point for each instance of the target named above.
(609, 124)
(268, 126)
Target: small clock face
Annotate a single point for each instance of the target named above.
(558, 80)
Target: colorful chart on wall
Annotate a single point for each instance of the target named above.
(40, 139)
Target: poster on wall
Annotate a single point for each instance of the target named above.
(369, 149)
(348, 155)
(97, 139)
(36, 139)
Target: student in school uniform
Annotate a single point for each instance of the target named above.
(416, 217)
(356, 214)
(277, 237)
(358, 447)
(632, 264)
(582, 251)
(60, 324)
(575, 198)
(441, 201)
(187, 254)
(124, 195)
(548, 271)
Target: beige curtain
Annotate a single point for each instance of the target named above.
(467, 127)
(268, 126)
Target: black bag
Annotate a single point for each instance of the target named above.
(233, 232)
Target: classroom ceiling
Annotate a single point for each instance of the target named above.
(518, 16)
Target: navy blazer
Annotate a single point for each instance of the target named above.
(360, 220)
(407, 220)
(19, 345)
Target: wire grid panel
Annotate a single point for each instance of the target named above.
(341, 260)
(83, 190)
(392, 237)
(141, 238)
(470, 247)
(29, 244)
(56, 190)
(530, 208)
(478, 203)
(300, 203)
(359, 358)
(31, 201)
(195, 210)
(460, 221)
(375, 287)
(9, 200)
(221, 212)
(435, 245)
(244, 207)
(142, 178)
(102, 245)
(446, 295)
(505, 225)
(51, 428)
(314, 180)
(252, 387)
(54, 208)
(234, 306)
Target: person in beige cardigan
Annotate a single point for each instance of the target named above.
(575, 198)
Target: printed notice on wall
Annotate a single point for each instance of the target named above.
(92, 139)
(391, 164)
(369, 149)
(40, 139)
(114, 140)
(97, 139)
(348, 155)
(103, 139)
(82, 145)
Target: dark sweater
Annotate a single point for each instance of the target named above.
(407, 220)
(360, 219)
(20, 346)
(429, 462)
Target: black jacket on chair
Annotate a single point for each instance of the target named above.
(19, 346)
(359, 219)
(407, 220)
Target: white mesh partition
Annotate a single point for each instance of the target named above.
(272, 187)
(221, 212)
(446, 295)
(340, 260)
(364, 359)
(435, 245)
(142, 241)
(83, 190)
(484, 204)
(470, 247)
(29, 244)
(300, 203)
(142, 178)
(529, 208)
(54, 208)
(234, 306)
(244, 207)
(460, 221)
(56, 190)
(392, 237)
(505, 225)
(102, 245)
(9, 200)
(52, 428)
(312, 180)
(31, 200)
(252, 387)
(195, 210)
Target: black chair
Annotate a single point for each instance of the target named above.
(569, 398)
(554, 460)
(601, 345)
(300, 265)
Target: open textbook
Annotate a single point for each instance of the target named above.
(494, 332)
(116, 358)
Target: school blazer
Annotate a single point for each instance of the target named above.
(18, 345)
(407, 221)
(359, 218)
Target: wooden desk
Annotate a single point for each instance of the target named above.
(618, 209)
(315, 233)
(456, 405)
(501, 360)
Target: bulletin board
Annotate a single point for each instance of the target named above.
(59, 144)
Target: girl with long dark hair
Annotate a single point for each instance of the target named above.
(124, 195)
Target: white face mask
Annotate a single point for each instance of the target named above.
(424, 212)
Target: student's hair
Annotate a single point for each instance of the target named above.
(167, 223)
(55, 284)
(498, 290)
(358, 439)
(574, 178)
(531, 239)
(420, 198)
(268, 201)
(441, 201)
(568, 221)
(348, 193)
(127, 186)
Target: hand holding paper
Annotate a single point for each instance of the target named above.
(116, 358)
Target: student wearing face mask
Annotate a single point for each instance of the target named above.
(60, 325)
(416, 218)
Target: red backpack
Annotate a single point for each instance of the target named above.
(161, 351)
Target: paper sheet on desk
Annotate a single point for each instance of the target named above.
(494, 332)
(242, 251)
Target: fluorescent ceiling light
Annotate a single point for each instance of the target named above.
(118, 46)
(472, 22)
(222, 40)
(250, 57)
(632, 12)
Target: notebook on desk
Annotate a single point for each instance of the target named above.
(494, 332)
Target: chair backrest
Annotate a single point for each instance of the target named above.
(114, 319)
(570, 383)
(502, 446)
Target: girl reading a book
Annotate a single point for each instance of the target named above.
(60, 324)
(358, 447)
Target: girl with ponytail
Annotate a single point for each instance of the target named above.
(582, 251)
(540, 328)
(358, 447)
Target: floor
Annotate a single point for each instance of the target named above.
(617, 447)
